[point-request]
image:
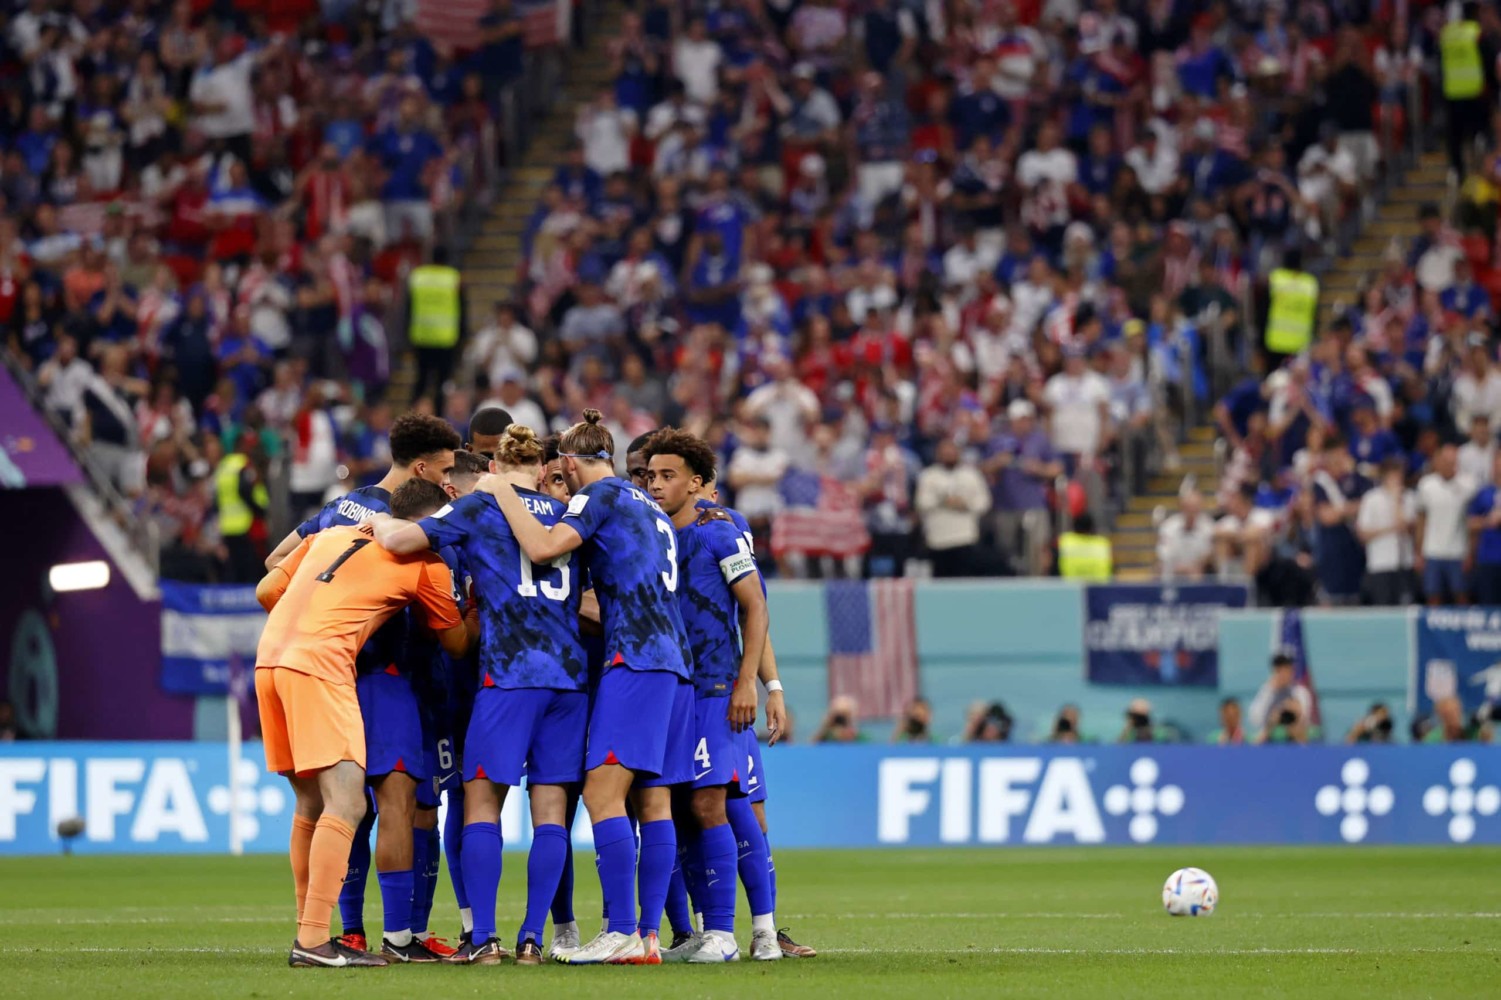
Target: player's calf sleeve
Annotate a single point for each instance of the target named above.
(544, 866)
(659, 849)
(302, 842)
(453, 838)
(717, 847)
(679, 917)
(328, 860)
(615, 855)
(482, 867)
(352, 892)
(754, 862)
(425, 863)
(771, 872)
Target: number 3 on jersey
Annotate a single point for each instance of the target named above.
(670, 577)
(553, 592)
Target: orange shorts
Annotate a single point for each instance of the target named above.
(307, 724)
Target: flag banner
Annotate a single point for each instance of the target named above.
(1159, 633)
(1289, 642)
(1458, 656)
(872, 644)
(820, 516)
(205, 628)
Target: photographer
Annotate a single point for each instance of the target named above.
(916, 722)
(1374, 727)
(1287, 723)
(841, 724)
(988, 723)
(1278, 688)
(1066, 726)
(1139, 727)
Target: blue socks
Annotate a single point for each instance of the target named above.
(544, 866)
(352, 894)
(426, 860)
(396, 898)
(717, 845)
(771, 872)
(659, 850)
(562, 900)
(482, 860)
(615, 854)
(679, 917)
(453, 837)
(756, 869)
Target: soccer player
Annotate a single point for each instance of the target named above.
(635, 463)
(422, 447)
(486, 428)
(724, 613)
(531, 711)
(326, 599)
(642, 716)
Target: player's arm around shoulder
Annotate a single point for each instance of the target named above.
(439, 599)
(274, 584)
(539, 542)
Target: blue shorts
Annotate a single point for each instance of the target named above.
(442, 769)
(538, 732)
(393, 725)
(643, 721)
(752, 777)
(717, 748)
(1444, 577)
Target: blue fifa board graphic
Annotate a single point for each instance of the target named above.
(178, 797)
(1458, 655)
(1156, 633)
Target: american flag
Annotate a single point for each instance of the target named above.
(821, 517)
(1289, 641)
(872, 644)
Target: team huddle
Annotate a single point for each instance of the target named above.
(507, 609)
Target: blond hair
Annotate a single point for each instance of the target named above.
(588, 440)
(519, 448)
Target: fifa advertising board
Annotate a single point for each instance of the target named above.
(180, 797)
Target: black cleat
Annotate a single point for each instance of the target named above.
(333, 955)
(414, 952)
(679, 938)
(791, 949)
(528, 953)
(469, 953)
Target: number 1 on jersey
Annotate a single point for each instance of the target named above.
(327, 575)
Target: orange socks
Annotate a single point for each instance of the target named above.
(302, 843)
(328, 861)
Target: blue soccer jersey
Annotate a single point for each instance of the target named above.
(354, 507)
(632, 551)
(741, 525)
(528, 613)
(712, 558)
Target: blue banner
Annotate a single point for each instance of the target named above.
(207, 631)
(178, 797)
(1156, 633)
(1458, 655)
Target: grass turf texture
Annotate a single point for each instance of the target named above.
(1357, 922)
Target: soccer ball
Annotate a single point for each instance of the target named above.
(1190, 892)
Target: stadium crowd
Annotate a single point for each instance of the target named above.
(925, 274)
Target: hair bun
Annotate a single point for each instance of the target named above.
(521, 432)
(593, 416)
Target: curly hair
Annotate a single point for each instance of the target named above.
(588, 440)
(519, 448)
(416, 499)
(416, 435)
(693, 450)
(550, 448)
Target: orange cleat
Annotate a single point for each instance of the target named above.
(651, 952)
(438, 946)
(355, 941)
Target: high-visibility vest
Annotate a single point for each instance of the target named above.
(434, 289)
(1293, 312)
(1083, 557)
(235, 515)
(1459, 53)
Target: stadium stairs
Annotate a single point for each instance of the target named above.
(1396, 219)
(492, 263)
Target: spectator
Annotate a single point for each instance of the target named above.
(1373, 727)
(105, 422)
(1066, 727)
(1185, 540)
(1022, 465)
(915, 725)
(1286, 722)
(504, 345)
(1477, 456)
(1484, 518)
(1451, 725)
(1083, 553)
(1231, 732)
(1139, 727)
(65, 376)
(951, 499)
(513, 398)
(841, 724)
(1442, 535)
(408, 152)
(1339, 554)
(753, 472)
(1384, 524)
(987, 723)
(1078, 401)
(1279, 690)
(436, 321)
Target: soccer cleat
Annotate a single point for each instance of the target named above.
(355, 941)
(651, 953)
(411, 953)
(469, 953)
(333, 955)
(565, 941)
(683, 946)
(791, 949)
(609, 948)
(438, 946)
(527, 953)
(765, 947)
(718, 947)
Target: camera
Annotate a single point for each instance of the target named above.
(839, 719)
(1064, 725)
(1286, 717)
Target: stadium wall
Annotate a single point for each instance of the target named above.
(178, 797)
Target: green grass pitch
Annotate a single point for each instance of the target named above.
(1340, 922)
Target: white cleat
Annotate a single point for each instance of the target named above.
(718, 947)
(608, 949)
(682, 952)
(565, 941)
(765, 947)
